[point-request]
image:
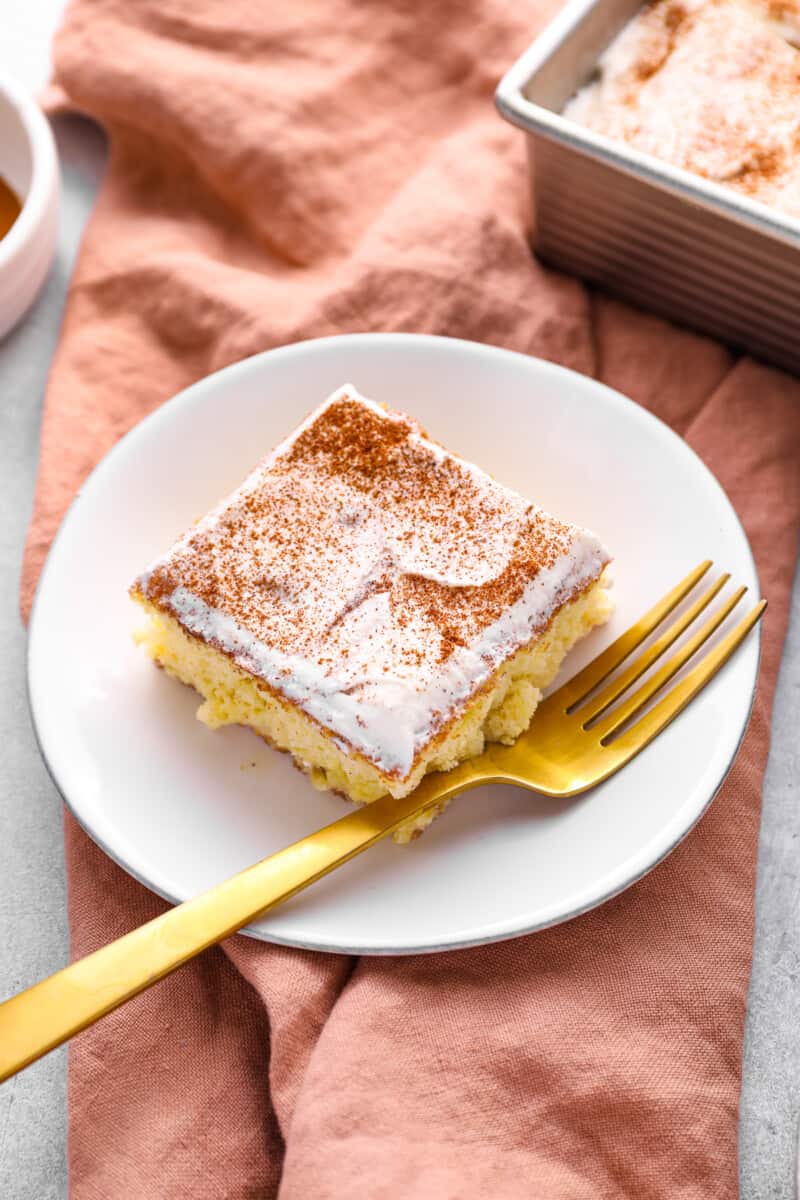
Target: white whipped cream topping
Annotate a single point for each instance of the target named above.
(389, 720)
(383, 687)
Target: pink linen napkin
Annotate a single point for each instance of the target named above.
(280, 172)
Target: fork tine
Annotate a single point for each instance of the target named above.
(577, 688)
(614, 720)
(642, 733)
(643, 662)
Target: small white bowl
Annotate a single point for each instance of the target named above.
(29, 164)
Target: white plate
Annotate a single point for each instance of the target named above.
(180, 807)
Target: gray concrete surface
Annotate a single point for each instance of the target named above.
(33, 937)
(771, 1070)
(33, 932)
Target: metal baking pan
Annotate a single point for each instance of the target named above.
(651, 233)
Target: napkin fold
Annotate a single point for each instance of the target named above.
(279, 172)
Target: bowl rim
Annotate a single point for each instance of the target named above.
(44, 171)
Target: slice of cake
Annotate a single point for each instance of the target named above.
(371, 603)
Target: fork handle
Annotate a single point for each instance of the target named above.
(49, 1013)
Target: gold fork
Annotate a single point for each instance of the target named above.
(579, 736)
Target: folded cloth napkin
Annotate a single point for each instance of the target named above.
(279, 172)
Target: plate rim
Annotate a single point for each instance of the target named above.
(492, 933)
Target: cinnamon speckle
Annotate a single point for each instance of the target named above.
(362, 547)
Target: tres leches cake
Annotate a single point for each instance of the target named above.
(372, 604)
(712, 86)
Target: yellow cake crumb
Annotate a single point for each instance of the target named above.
(499, 713)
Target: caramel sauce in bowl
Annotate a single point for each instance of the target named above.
(10, 207)
(29, 195)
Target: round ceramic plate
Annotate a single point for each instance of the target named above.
(181, 808)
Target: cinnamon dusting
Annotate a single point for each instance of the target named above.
(712, 86)
(362, 547)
